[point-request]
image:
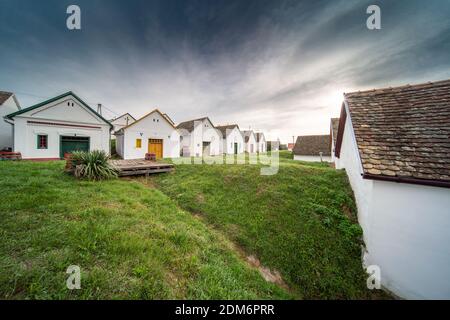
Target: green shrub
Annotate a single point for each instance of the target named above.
(93, 165)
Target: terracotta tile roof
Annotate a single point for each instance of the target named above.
(312, 145)
(334, 128)
(223, 129)
(4, 95)
(403, 131)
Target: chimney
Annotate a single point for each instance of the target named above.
(99, 109)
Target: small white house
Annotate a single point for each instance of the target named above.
(153, 133)
(261, 144)
(233, 141)
(60, 125)
(8, 104)
(314, 148)
(121, 122)
(250, 141)
(394, 144)
(273, 145)
(334, 125)
(199, 138)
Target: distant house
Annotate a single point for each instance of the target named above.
(121, 121)
(8, 104)
(261, 142)
(313, 148)
(250, 141)
(290, 146)
(273, 145)
(153, 133)
(199, 137)
(394, 144)
(232, 139)
(334, 125)
(63, 124)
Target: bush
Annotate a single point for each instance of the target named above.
(93, 165)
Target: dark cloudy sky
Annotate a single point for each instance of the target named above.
(279, 66)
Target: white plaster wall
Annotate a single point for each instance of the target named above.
(6, 129)
(312, 158)
(409, 227)
(211, 135)
(233, 136)
(119, 145)
(146, 129)
(262, 144)
(362, 188)
(25, 137)
(251, 141)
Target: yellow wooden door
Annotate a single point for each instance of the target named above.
(156, 146)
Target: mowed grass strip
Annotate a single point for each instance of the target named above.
(300, 221)
(130, 241)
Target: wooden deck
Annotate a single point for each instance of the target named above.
(140, 167)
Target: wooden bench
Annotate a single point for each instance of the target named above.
(8, 155)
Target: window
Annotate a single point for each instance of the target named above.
(42, 141)
(231, 144)
(138, 143)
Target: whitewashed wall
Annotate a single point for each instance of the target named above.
(154, 126)
(406, 229)
(120, 123)
(262, 144)
(233, 136)
(203, 131)
(58, 112)
(251, 141)
(6, 129)
(312, 158)
(25, 138)
(410, 239)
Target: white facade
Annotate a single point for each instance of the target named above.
(121, 122)
(203, 140)
(10, 105)
(251, 145)
(262, 143)
(63, 116)
(406, 228)
(152, 126)
(313, 158)
(233, 137)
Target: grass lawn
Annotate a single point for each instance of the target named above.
(129, 240)
(300, 222)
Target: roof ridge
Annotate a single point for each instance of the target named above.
(404, 86)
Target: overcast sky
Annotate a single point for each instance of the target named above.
(277, 66)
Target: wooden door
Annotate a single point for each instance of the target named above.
(156, 146)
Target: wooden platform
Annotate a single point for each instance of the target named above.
(140, 167)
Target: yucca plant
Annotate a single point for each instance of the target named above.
(93, 165)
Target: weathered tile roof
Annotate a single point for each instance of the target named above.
(312, 145)
(189, 125)
(247, 134)
(4, 95)
(223, 129)
(334, 128)
(259, 135)
(403, 131)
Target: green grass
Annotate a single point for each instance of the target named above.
(130, 241)
(300, 221)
